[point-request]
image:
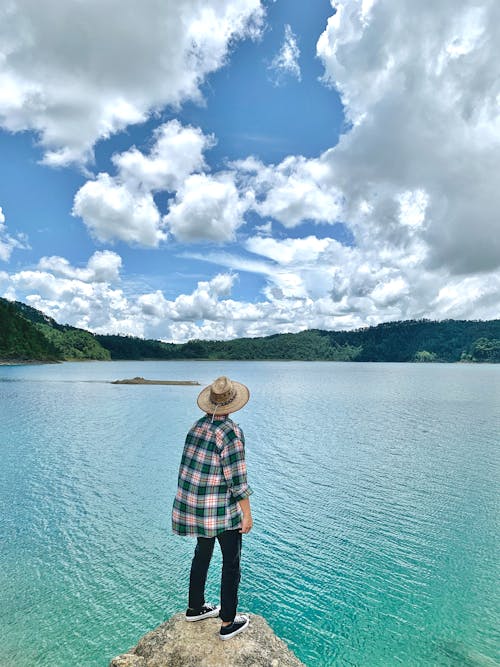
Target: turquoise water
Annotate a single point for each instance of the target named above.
(375, 539)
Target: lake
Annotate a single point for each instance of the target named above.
(376, 514)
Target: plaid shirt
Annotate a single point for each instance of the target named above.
(212, 478)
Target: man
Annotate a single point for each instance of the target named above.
(212, 501)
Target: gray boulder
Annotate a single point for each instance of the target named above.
(176, 643)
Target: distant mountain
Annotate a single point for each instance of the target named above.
(407, 341)
(425, 340)
(27, 333)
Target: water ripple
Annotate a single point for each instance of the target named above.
(375, 509)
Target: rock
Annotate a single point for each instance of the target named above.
(176, 643)
(140, 380)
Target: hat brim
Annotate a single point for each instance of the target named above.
(241, 399)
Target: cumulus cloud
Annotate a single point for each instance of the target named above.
(310, 283)
(8, 242)
(413, 178)
(111, 210)
(316, 282)
(207, 208)
(89, 297)
(201, 304)
(176, 153)
(112, 64)
(73, 301)
(420, 85)
(286, 61)
(102, 267)
(85, 298)
(123, 207)
(293, 191)
(288, 251)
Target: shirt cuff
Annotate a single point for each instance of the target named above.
(241, 492)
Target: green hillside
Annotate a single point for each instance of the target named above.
(72, 343)
(63, 342)
(20, 339)
(27, 333)
(425, 340)
(33, 314)
(407, 341)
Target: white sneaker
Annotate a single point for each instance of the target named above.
(239, 624)
(207, 611)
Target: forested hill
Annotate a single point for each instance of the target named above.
(28, 334)
(20, 339)
(410, 340)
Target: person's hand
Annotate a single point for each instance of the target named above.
(246, 523)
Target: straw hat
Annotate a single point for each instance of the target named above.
(223, 396)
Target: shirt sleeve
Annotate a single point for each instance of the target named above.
(232, 458)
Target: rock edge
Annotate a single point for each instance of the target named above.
(177, 643)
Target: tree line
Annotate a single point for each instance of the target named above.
(28, 334)
(406, 341)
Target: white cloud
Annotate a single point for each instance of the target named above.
(287, 251)
(8, 242)
(83, 297)
(122, 206)
(414, 179)
(176, 153)
(413, 205)
(286, 61)
(78, 72)
(293, 191)
(320, 283)
(471, 297)
(111, 210)
(420, 84)
(69, 295)
(232, 261)
(207, 208)
(104, 266)
(201, 304)
(266, 229)
(310, 283)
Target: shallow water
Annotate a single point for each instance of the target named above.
(375, 509)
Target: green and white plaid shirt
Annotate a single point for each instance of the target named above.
(212, 479)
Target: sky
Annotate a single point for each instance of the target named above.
(182, 169)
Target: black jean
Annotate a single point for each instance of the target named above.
(230, 544)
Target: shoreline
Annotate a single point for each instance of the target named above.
(31, 362)
(28, 362)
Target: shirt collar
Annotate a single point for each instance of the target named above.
(217, 418)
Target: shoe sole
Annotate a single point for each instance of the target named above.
(209, 614)
(236, 632)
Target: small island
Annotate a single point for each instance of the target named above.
(140, 380)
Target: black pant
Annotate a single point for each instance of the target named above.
(230, 544)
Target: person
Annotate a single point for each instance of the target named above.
(212, 501)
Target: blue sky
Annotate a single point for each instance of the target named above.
(246, 167)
